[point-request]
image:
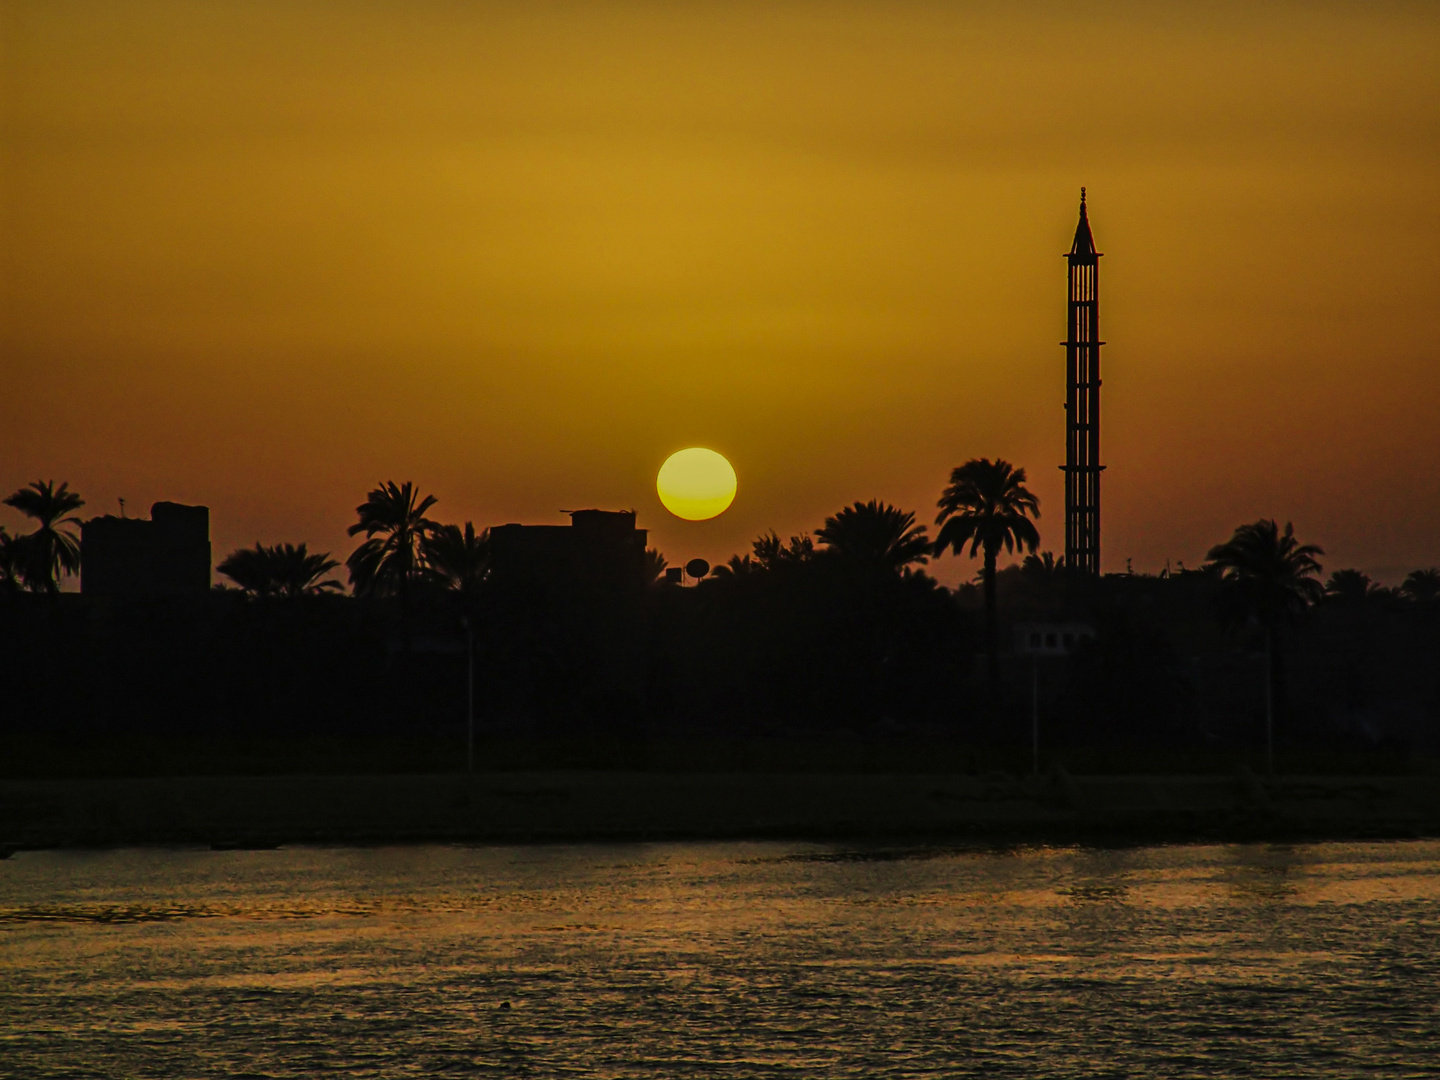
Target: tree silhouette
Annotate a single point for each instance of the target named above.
(10, 567)
(1042, 568)
(391, 559)
(876, 535)
(1043, 574)
(654, 566)
(1268, 576)
(1422, 585)
(51, 549)
(771, 553)
(285, 570)
(737, 566)
(250, 569)
(297, 572)
(1351, 587)
(1038, 580)
(988, 506)
(461, 558)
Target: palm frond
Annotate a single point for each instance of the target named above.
(877, 534)
(392, 558)
(771, 552)
(52, 549)
(248, 568)
(459, 557)
(11, 562)
(1350, 586)
(297, 572)
(1268, 573)
(988, 506)
(655, 564)
(737, 566)
(284, 569)
(1422, 585)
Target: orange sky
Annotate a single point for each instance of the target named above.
(264, 255)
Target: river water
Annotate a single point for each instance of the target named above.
(735, 960)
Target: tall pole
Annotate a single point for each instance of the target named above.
(1035, 714)
(1269, 701)
(469, 696)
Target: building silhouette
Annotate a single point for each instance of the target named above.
(567, 611)
(598, 549)
(168, 555)
(1082, 402)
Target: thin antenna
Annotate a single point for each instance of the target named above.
(122, 508)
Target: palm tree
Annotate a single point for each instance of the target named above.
(460, 557)
(988, 506)
(1350, 586)
(654, 565)
(1042, 578)
(285, 570)
(392, 557)
(1422, 585)
(10, 562)
(1043, 566)
(737, 566)
(51, 549)
(771, 552)
(296, 572)
(1043, 570)
(877, 535)
(250, 569)
(1270, 577)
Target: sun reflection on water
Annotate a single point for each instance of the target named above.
(734, 959)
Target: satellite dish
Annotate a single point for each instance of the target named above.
(697, 568)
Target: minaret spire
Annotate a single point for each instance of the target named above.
(1082, 402)
(1084, 240)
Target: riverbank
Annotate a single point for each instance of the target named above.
(265, 811)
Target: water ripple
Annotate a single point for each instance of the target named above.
(736, 960)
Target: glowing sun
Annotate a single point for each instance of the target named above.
(696, 484)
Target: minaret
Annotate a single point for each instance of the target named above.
(1082, 403)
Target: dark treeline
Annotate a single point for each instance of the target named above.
(834, 648)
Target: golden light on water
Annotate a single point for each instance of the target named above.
(696, 484)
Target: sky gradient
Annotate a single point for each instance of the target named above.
(262, 256)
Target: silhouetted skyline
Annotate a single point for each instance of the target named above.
(521, 257)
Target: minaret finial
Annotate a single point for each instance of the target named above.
(1082, 198)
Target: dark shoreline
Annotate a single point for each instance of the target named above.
(246, 813)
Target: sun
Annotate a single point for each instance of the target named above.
(696, 484)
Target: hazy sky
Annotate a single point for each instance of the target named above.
(263, 255)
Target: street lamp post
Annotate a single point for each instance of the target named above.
(1035, 713)
(1035, 640)
(469, 695)
(1270, 701)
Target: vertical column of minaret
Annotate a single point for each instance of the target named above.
(1082, 404)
